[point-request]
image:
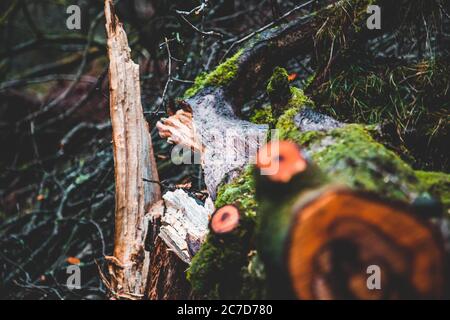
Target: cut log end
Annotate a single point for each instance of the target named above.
(280, 161)
(225, 220)
(347, 245)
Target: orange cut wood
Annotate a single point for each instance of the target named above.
(335, 238)
(225, 219)
(281, 160)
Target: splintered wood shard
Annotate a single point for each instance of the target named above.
(184, 224)
(133, 161)
(179, 129)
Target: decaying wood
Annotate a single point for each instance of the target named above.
(184, 224)
(167, 273)
(133, 160)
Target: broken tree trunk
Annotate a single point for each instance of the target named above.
(133, 161)
(135, 272)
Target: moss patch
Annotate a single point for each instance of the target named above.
(221, 76)
(278, 90)
(350, 155)
(286, 124)
(241, 192)
(437, 184)
(278, 81)
(215, 271)
(263, 116)
(223, 268)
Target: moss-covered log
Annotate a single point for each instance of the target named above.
(348, 154)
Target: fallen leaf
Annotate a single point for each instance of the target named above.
(73, 260)
(292, 77)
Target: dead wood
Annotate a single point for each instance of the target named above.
(134, 161)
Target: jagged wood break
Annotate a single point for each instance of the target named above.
(133, 160)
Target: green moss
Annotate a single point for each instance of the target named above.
(299, 99)
(223, 258)
(350, 155)
(215, 271)
(286, 125)
(241, 191)
(353, 156)
(437, 184)
(263, 116)
(221, 76)
(279, 81)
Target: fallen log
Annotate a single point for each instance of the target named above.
(218, 97)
